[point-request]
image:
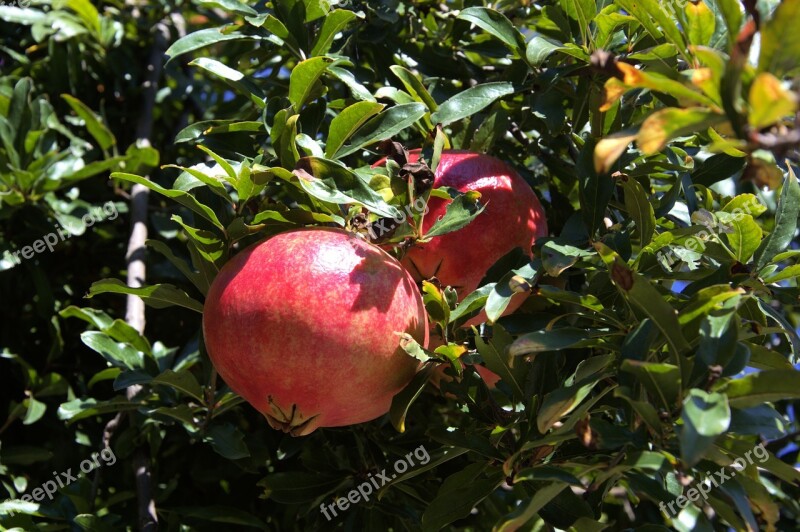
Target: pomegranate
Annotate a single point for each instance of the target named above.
(513, 218)
(306, 326)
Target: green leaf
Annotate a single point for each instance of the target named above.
(716, 168)
(556, 258)
(414, 86)
(16, 15)
(284, 138)
(707, 413)
(655, 20)
(387, 124)
(335, 22)
(494, 357)
(503, 291)
(745, 203)
(228, 441)
(472, 303)
(357, 89)
(303, 78)
(92, 523)
(235, 6)
(94, 124)
(539, 49)
(182, 197)
(640, 209)
(786, 215)
(35, 411)
(732, 14)
(346, 123)
(87, 13)
(212, 127)
(78, 409)
(25, 455)
(790, 272)
(117, 354)
(406, 397)
(412, 347)
(330, 181)
(128, 378)
(583, 12)
(201, 39)
(183, 381)
(297, 487)
(662, 381)
(197, 279)
(458, 501)
(758, 388)
(497, 25)
(470, 101)
(595, 189)
(642, 294)
(718, 335)
(551, 340)
(207, 244)
(458, 214)
(780, 41)
(218, 513)
(435, 303)
(763, 358)
(234, 78)
(525, 512)
(140, 158)
(742, 233)
(561, 402)
(156, 296)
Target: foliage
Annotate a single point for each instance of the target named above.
(658, 343)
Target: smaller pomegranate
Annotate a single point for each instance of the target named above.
(513, 218)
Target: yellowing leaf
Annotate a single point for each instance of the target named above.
(707, 81)
(638, 79)
(769, 101)
(609, 150)
(614, 89)
(662, 126)
(700, 23)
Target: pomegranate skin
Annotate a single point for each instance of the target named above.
(303, 326)
(513, 218)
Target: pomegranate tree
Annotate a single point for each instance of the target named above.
(306, 326)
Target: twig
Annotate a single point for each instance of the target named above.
(211, 401)
(148, 519)
(108, 431)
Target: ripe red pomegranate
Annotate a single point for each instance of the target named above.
(304, 326)
(513, 218)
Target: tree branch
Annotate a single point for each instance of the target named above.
(135, 316)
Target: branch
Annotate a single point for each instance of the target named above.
(148, 519)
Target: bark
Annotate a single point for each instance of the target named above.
(137, 273)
